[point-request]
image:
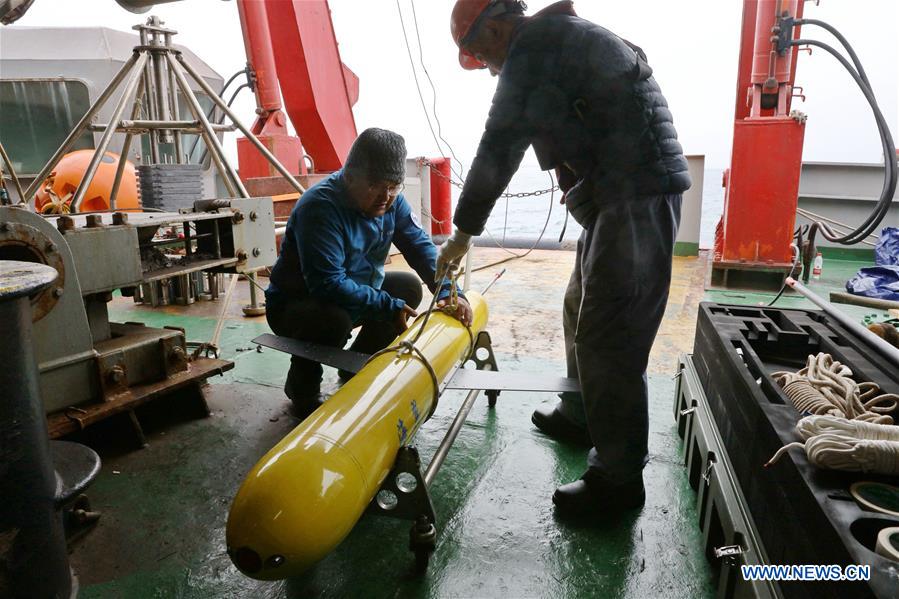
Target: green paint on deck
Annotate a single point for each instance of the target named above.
(849, 254)
(164, 513)
(162, 531)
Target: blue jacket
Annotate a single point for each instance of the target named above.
(333, 252)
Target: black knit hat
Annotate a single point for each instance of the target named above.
(378, 155)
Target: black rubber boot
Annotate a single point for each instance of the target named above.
(553, 423)
(304, 406)
(305, 396)
(595, 495)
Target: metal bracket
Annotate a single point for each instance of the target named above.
(404, 494)
(729, 554)
(485, 360)
(113, 374)
(174, 356)
(707, 475)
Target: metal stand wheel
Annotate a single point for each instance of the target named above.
(422, 542)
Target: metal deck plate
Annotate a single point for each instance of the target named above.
(511, 381)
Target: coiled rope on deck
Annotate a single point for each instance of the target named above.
(849, 427)
(836, 451)
(837, 443)
(826, 387)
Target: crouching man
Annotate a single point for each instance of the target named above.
(329, 277)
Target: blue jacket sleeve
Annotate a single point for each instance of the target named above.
(417, 248)
(322, 252)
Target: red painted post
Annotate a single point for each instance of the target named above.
(441, 197)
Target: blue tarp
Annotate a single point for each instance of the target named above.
(880, 281)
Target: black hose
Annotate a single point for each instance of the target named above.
(230, 102)
(842, 40)
(244, 71)
(891, 174)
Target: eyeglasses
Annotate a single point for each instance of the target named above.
(391, 190)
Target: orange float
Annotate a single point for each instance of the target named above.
(56, 192)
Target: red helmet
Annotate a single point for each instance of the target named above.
(466, 14)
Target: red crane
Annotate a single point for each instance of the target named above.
(752, 242)
(319, 91)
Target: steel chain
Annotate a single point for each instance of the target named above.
(520, 194)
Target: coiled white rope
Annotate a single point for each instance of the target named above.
(850, 445)
(826, 387)
(811, 426)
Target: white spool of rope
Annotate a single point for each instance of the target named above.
(858, 429)
(839, 452)
(888, 543)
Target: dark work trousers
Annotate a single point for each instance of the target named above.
(325, 323)
(613, 307)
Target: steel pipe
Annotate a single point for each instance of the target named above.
(160, 82)
(235, 186)
(80, 126)
(13, 175)
(882, 347)
(174, 111)
(249, 134)
(33, 550)
(127, 95)
(126, 147)
(451, 434)
(136, 127)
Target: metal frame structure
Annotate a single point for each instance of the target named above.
(152, 77)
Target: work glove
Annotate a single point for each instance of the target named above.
(451, 252)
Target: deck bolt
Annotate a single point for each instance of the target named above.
(65, 223)
(116, 374)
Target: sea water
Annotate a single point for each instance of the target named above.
(524, 218)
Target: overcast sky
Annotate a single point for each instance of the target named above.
(692, 46)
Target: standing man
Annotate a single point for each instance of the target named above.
(329, 277)
(586, 100)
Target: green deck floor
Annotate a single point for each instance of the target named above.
(164, 507)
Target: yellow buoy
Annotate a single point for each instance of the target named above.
(306, 494)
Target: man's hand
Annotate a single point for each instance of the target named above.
(451, 252)
(463, 310)
(402, 315)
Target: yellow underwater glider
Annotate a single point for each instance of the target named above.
(353, 453)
